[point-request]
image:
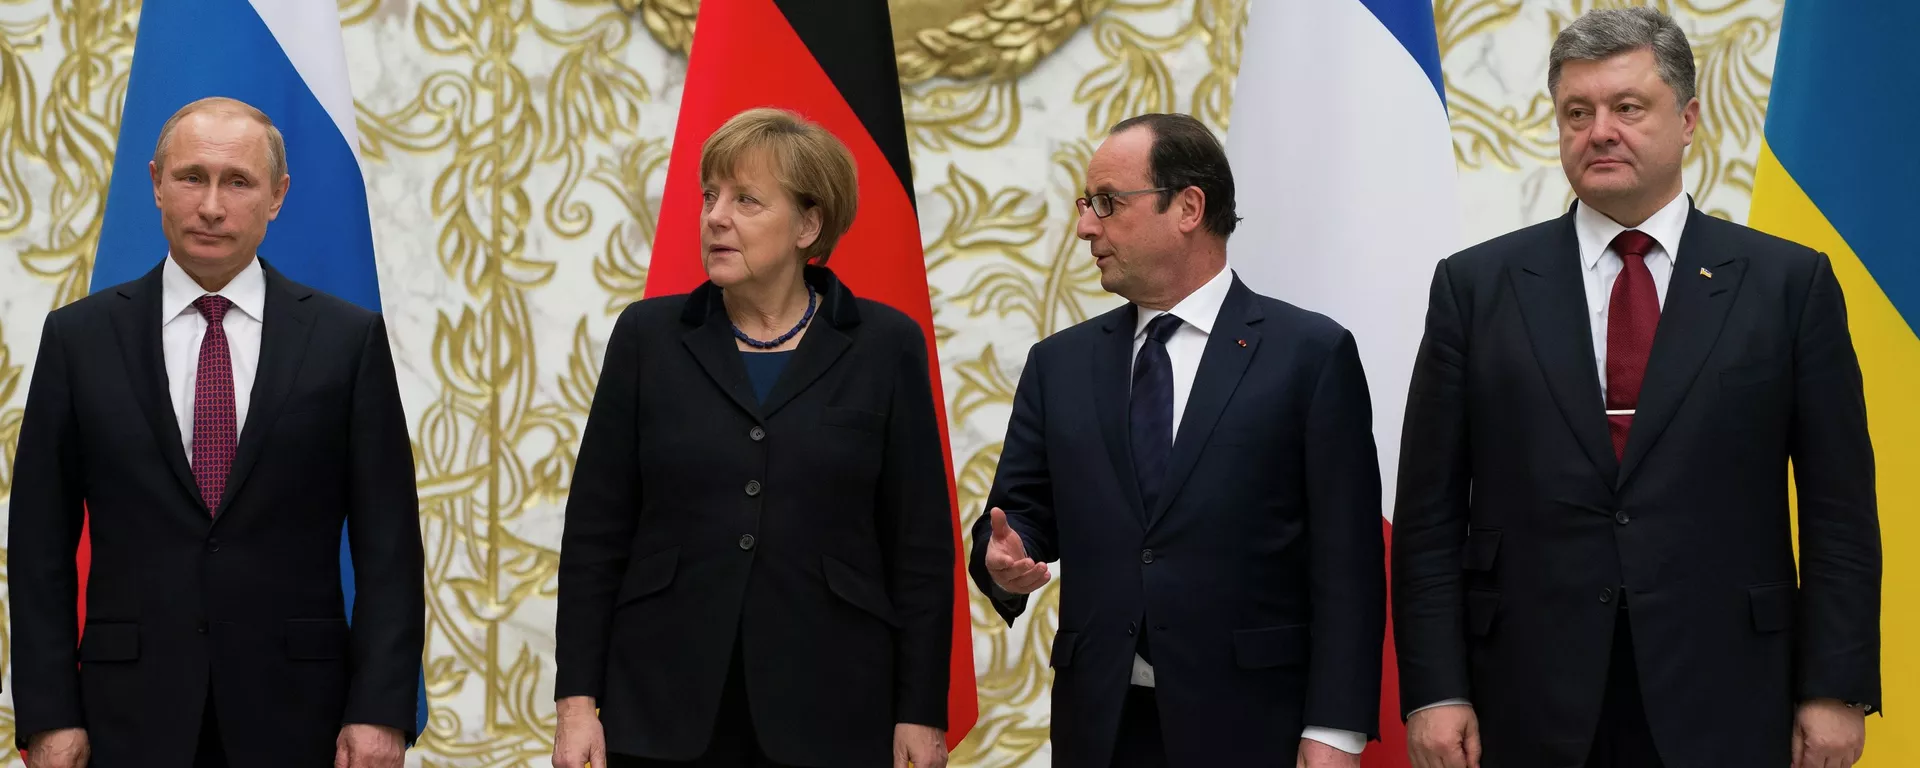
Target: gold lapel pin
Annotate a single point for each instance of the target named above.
(1706, 273)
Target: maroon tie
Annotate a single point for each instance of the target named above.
(1632, 315)
(215, 427)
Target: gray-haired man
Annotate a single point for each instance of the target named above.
(1593, 557)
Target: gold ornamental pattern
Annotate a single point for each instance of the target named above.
(515, 151)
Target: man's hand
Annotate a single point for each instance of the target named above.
(1007, 559)
(1444, 737)
(920, 746)
(1314, 754)
(578, 740)
(369, 746)
(64, 748)
(1828, 734)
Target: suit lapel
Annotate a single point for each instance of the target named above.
(1690, 322)
(1221, 367)
(1553, 299)
(819, 348)
(136, 325)
(283, 347)
(1112, 392)
(712, 345)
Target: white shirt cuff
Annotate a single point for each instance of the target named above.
(1349, 742)
(1441, 703)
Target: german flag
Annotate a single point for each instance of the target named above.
(832, 62)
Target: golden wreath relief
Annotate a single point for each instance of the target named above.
(954, 39)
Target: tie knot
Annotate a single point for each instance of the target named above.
(1633, 243)
(213, 308)
(1161, 328)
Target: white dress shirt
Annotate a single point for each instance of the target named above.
(1600, 266)
(182, 328)
(1197, 313)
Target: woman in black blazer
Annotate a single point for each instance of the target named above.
(756, 567)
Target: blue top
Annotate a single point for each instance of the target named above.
(763, 369)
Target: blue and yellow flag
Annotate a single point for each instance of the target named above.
(1837, 172)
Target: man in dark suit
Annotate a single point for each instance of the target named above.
(1202, 460)
(1593, 557)
(218, 423)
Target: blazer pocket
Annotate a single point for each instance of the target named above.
(858, 589)
(1483, 547)
(1772, 606)
(648, 575)
(1270, 647)
(854, 418)
(1751, 374)
(119, 641)
(316, 639)
(1063, 644)
(333, 396)
(1482, 606)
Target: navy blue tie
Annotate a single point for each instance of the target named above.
(1152, 408)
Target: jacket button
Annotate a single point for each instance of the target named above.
(1132, 628)
(753, 487)
(757, 434)
(201, 627)
(213, 545)
(1621, 517)
(1146, 556)
(746, 541)
(1606, 595)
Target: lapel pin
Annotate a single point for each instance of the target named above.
(1706, 273)
(1243, 342)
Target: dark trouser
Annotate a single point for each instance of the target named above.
(1623, 739)
(1139, 744)
(210, 753)
(734, 743)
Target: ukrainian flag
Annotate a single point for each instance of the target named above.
(1837, 172)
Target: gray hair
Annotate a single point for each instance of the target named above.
(221, 105)
(1606, 33)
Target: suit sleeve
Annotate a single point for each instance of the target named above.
(1431, 513)
(383, 531)
(1840, 570)
(917, 529)
(43, 529)
(1348, 582)
(1023, 488)
(601, 517)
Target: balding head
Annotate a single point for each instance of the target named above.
(224, 107)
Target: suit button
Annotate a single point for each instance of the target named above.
(1132, 628)
(213, 545)
(1621, 517)
(1146, 556)
(1606, 595)
(753, 487)
(757, 434)
(201, 627)
(746, 541)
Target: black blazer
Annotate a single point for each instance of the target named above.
(1259, 573)
(1517, 529)
(814, 528)
(179, 600)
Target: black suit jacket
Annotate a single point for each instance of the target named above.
(1259, 573)
(814, 528)
(1517, 530)
(247, 602)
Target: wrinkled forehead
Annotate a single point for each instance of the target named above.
(219, 137)
(1122, 162)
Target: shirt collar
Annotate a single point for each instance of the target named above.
(1199, 309)
(178, 291)
(1596, 231)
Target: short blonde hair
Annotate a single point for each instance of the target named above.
(812, 166)
(221, 105)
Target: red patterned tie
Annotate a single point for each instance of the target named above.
(215, 426)
(1632, 316)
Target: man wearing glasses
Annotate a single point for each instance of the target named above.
(1204, 458)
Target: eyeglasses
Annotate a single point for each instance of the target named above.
(1102, 204)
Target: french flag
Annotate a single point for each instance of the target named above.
(285, 57)
(1344, 170)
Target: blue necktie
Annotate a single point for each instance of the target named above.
(1152, 408)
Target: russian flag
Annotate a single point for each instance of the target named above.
(1344, 169)
(1836, 173)
(285, 57)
